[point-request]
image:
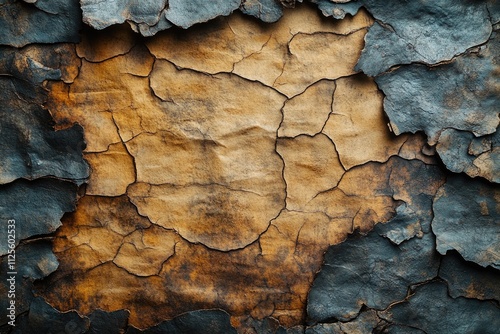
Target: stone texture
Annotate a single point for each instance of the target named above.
(461, 152)
(402, 329)
(48, 198)
(36, 63)
(29, 146)
(464, 93)
(265, 10)
(102, 14)
(108, 322)
(416, 184)
(466, 103)
(405, 225)
(494, 11)
(34, 260)
(269, 325)
(432, 310)
(227, 158)
(43, 318)
(467, 220)
(380, 277)
(187, 13)
(338, 9)
(366, 322)
(421, 32)
(39, 151)
(47, 21)
(40, 167)
(466, 279)
(202, 321)
(150, 30)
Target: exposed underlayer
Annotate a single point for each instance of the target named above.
(251, 167)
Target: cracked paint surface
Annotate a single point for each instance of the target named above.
(211, 175)
(234, 176)
(387, 261)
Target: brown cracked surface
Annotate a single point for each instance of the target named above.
(223, 166)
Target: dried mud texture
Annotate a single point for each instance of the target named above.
(244, 177)
(274, 55)
(356, 126)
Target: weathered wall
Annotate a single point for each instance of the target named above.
(252, 167)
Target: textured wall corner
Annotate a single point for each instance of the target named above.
(255, 166)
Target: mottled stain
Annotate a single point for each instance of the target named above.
(241, 170)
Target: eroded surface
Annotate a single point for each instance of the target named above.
(387, 263)
(225, 159)
(431, 310)
(467, 220)
(46, 21)
(222, 163)
(422, 32)
(455, 104)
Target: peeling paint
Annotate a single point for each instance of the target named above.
(256, 166)
(431, 310)
(467, 220)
